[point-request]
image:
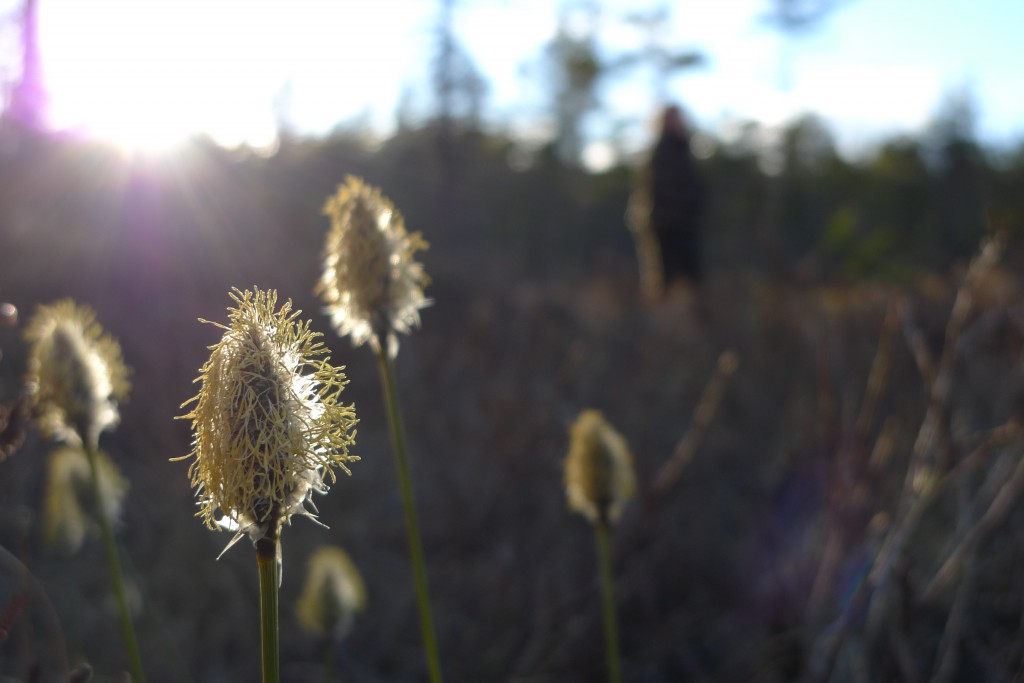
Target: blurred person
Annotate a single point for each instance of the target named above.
(666, 210)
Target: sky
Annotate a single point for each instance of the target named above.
(151, 72)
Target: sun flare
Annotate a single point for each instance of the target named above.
(147, 76)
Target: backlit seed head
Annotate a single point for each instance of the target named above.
(76, 375)
(333, 594)
(370, 283)
(268, 427)
(599, 476)
(69, 508)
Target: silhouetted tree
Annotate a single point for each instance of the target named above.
(960, 169)
(793, 18)
(459, 86)
(459, 89)
(797, 16)
(575, 70)
(808, 157)
(656, 53)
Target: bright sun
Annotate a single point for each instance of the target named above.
(147, 75)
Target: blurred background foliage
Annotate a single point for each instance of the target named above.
(537, 315)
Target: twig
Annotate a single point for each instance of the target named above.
(879, 373)
(821, 668)
(997, 511)
(996, 438)
(835, 542)
(882, 451)
(947, 657)
(672, 470)
(924, 467)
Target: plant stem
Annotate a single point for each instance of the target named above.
(114, 565)
(411, 521)
(266, 561)
(611, 636)
(329, 676)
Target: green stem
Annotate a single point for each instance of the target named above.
(611, 636)
(114, 565)
(329, 676)
(266, 561)
(411, 522)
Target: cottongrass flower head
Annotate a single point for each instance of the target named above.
(370, 283)
(599, 476)
(599, 480)
(76, 375)
(68, 506)
(75, 379)
(373, 289)
(334, 593)
(268, 426)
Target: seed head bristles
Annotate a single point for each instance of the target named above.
(599, 476)
(370, 283)
(268, 427)
(76, 374)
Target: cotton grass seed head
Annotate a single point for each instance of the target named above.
(599, 476)
(370, 283)
(268, 426)
(334, 593)
(76, 375)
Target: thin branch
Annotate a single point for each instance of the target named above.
(670, 473)
(996, 513)
(880, 368)
(947, 658)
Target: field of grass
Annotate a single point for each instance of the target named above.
(828, 476)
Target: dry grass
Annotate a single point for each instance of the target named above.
(830, 477)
